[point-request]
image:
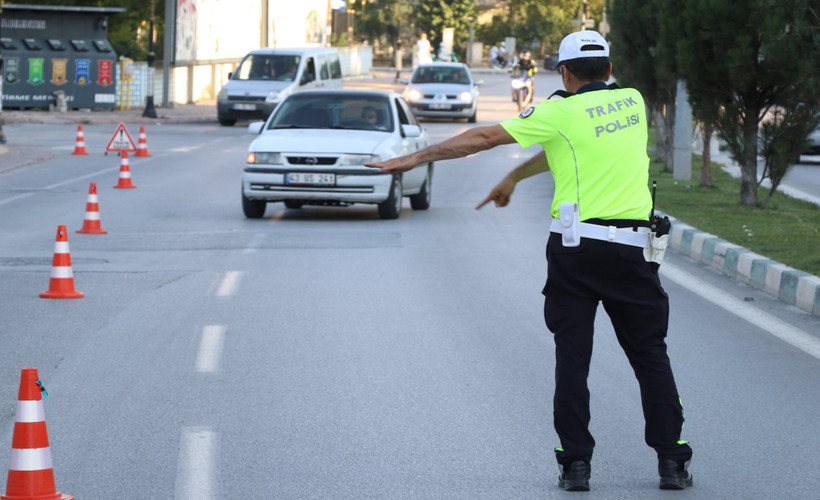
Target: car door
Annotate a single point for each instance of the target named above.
(412, 179)
(309, 74)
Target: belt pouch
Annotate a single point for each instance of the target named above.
(570, 224)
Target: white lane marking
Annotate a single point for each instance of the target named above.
(15, 198)
(75, 179)
(253, 245)
(787, 333)
(210, 348)
(229, 284)
(196, 470)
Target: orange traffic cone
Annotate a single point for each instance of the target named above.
(142, 145)
(79, 147)
(91, 223)
(125, 173)
(61, 284)
(31, 476)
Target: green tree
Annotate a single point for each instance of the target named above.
(542, 23)
(759, 67)
(432, 16)
(643, 56)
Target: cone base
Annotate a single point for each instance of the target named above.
(92, 231)
(79, 153)
(62, 295)
(128, 186)
(142, 155)
(57, 496)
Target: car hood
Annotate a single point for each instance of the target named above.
(254, 87)
(441, 88)
(319, 141)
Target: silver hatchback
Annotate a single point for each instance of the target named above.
(443, 90)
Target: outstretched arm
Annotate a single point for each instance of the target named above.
(469, 142)
(502, 192)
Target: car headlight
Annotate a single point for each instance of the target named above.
(264, 158)
(413, 95)
(223, 94)
(517, 84)
(466, 96)
(346, 160)
(273, 96)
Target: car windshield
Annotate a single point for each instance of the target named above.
(357, 112)
(433, 74)
(267, 67)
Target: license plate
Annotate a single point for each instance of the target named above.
(310, 179)
(440, 105)
(245, 107)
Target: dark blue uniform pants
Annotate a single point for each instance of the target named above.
(618, 276)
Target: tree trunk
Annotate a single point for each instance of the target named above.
(706, 168)
(748, 169)
(665, 132)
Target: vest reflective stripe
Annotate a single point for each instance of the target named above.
(30, 411)
(30, 459)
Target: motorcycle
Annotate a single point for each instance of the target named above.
(522, 90)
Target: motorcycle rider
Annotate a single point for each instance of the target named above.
(525, 66)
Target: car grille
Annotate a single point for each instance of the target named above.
(245, 98)
(311, 160)
(432, 96)
(296, 189)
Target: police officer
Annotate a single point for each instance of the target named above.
(594, 143)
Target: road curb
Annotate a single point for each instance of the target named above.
(789, 285)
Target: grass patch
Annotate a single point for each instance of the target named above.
(786, 231)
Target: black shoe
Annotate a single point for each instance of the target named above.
(574, 476)
(674, 474)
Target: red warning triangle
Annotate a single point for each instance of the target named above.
(121, 140)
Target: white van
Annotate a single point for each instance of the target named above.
(266, 76)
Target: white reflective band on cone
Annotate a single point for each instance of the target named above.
(92, 216)
(30, 459)
(60, 247)
(61, 272)
(125, 175)
(30, 411)
(92, 198)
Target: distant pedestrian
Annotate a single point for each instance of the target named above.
(422, 51)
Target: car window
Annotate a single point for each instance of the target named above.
(310, 71)
(323, 69)
(433, 74)
(335, 66)
(406, 117)
(332, 110)
(267, 67)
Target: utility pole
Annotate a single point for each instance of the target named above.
(2, 77)
(149, 111)
(399, 54)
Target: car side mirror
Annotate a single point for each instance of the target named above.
(255, 128)
(410, 130)
(230, 75)
(478, 83)
(404, 81)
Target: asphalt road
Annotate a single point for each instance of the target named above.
(325, 353)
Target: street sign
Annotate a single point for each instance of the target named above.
(121, 140)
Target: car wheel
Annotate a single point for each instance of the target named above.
(227, 122)
(391, 207)
(421, 201)
(294, 203)
(253, 209)
(473, 117)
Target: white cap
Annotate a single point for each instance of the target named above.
(582, 44)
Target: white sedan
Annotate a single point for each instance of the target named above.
(313, 147)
